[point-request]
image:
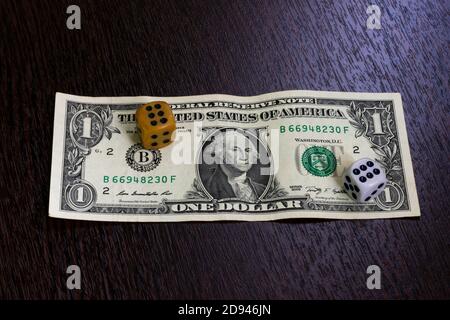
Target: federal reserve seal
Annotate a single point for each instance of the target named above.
(319, 161)
(141, 159)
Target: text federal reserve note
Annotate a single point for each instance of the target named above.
(274, 156)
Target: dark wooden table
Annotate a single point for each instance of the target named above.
(167, 48)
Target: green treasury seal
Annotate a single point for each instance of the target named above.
(319, 161)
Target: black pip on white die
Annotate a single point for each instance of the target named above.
(364, 180)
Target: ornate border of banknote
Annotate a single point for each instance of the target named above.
(271, 201)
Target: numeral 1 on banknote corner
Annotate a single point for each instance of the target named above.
(377, 124)
(80, 194)
(387, 195)
(87, 127)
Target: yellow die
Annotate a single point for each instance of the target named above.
(156, 124)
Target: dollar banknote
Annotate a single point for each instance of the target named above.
(274, 156)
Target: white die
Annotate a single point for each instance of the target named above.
(364, 180)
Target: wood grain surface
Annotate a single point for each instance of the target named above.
(167, 48)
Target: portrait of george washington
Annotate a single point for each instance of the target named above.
(231, 166)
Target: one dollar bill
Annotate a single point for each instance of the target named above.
(275, 156)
